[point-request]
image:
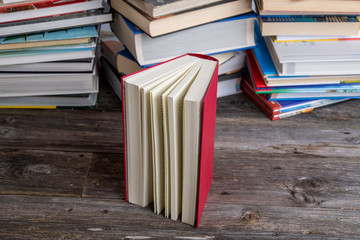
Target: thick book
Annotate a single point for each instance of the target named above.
(156, 9)
(272, 78)
(261, 87)
(70, 66)
(281, 109)
(235, 63)
(315, 58)
(47, 9)
(222, 36)
(318, 7)
(312, 38)
(47, 54)
(169, 114)
(309, 25)
(34, 84)
(229, 84)
(50, 101)
(63, 34)
(172, 23)
(71, 20)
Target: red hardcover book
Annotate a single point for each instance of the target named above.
(181, 74)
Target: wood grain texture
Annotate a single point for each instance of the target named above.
(83, 218)
(106, 177)
(296, 178)
(33, 172)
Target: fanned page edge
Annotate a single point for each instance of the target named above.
(123, 112)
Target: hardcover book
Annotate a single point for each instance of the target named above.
(212, 38)
(169, 128)
(70, 20)
(159, 26)
(47, 9)
(281, 109)
(318, 7)
(272, 78)
(309, 25)
(261, 87)
(35, 84)
(50, 101)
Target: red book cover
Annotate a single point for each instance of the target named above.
(207, 144)
(255, 71)
(207, 137)
(256, 80)
(259, 99)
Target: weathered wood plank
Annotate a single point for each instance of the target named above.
(45, 173)
(331, 131)
(281, 179)
(105, 177)
(75, 218)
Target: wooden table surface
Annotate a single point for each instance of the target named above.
(61, 176)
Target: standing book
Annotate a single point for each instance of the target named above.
(169, 114)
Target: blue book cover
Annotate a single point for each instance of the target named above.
(262, 54)
(81, 32)
(136, 30)
(288, 106)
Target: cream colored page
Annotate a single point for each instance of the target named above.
(133, 150)
(146, 138)
(157, 139)
(138, 193)
(175, 142)
(192, 115)
(165, 140)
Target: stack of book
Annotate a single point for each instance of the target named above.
(156, 31)
(47, 52)
(304, 60)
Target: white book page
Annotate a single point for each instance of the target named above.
(157, 133)
(139, 171)
(175, 103)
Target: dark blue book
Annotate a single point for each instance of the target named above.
(226, 35)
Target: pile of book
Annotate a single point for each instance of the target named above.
(307, 55)
(153, 33)
(47, 52)
(156, 31)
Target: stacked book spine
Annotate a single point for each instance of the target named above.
(154, 32)
(305, 60)
(48, 53)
